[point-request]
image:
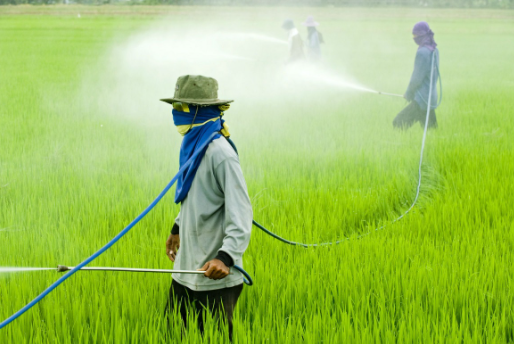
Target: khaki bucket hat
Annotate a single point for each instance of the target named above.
(196, 90)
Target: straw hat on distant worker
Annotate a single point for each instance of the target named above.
(310, 22)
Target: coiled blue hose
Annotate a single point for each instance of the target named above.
(285, 241)
(31, 304)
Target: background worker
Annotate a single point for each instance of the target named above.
(215, 219)
(315, 39)
(419, 86)
(295, 42)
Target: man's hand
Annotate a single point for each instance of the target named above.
(172, 246)
(215, 269)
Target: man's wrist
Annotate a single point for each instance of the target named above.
(175, 229)
(225, 258)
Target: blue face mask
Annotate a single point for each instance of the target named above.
(418, 39)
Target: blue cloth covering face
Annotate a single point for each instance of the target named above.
(193, 140)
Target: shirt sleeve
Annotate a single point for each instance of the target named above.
(238, 209)
(176, 225)
(421, 70)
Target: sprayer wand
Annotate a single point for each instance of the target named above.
(390, 94)
(62, 268)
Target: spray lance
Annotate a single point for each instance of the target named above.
(389, 94)
(63, 268)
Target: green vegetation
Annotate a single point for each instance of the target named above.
(321, 3)
(82, 155)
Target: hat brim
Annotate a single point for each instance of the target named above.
(196, 102)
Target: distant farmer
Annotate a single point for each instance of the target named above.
(315, 39)
(419, 86)
(295, 42)
(215, 219)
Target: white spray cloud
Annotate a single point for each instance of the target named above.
(248, 66)
(15, 269)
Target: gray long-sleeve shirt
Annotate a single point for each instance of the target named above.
(216, 215)
(419, 85)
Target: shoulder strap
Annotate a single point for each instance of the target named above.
(231, 143)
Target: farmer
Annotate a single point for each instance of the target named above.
(295, 42)
(419, 86)
(315, 39)
(215, 219)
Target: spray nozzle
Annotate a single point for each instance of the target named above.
(62, 268)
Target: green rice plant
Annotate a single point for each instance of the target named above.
(79, 160)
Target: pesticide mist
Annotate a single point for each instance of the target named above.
(15, 269)
(250, 68)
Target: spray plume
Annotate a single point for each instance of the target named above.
(14, 269)
(247, 65)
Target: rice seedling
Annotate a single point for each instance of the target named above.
(86, 145)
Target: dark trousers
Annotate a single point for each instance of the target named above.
(220, 302)
(413, 113)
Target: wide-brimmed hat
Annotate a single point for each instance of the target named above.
(196, 90)
(310, 21)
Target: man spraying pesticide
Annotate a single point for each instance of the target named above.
(427, 58)
(295, 42)
(215, 216)
(215, 220)
(314, 39)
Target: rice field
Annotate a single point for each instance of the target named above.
(86, 145)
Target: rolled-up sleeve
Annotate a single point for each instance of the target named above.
(176, 226)
(238, 209)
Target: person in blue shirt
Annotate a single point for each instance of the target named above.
(419, 87)
(315, 39)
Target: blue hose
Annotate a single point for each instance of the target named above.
(247, 279)
(31, 304)
(294, 243)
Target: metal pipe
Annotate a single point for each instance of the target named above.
(63, 268)
(390, 94)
